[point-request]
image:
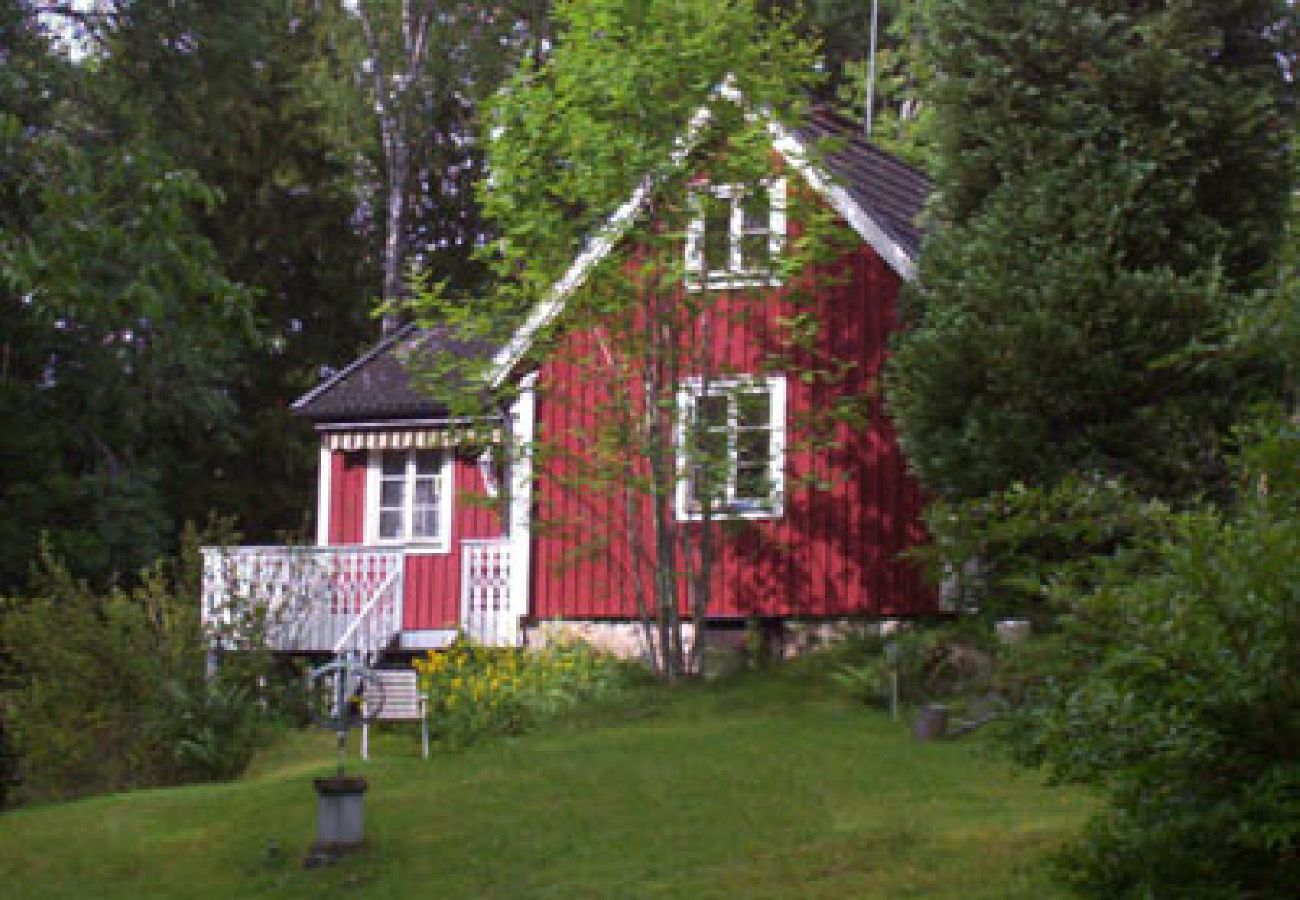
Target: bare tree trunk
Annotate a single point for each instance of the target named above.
(392, 83)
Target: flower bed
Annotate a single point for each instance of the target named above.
(474, 690)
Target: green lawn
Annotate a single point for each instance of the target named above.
(762, 787)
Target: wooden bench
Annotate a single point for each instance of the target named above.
(402, 702)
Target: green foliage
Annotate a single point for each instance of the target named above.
(474, 691)
(117, 354)
(259, 101)
(1178, 697)
(106, 691)
(569, 140)
(1018, 552)
(1111, 178)
(951, 662)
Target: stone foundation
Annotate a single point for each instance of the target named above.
(729, 644)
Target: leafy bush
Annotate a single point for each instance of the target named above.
(1016, 549)
(1180, 698)
(474, 690)
(109, 691)
(949, 662)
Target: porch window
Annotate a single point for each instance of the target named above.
(410, 498)
(731, 448)
(735, 235)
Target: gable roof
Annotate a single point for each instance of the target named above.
(889, 190)
(380, 385)
(878, 194)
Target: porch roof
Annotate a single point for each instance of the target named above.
(384, 384)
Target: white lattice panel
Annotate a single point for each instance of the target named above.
(487, 612)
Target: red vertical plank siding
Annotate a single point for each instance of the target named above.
(347, 497)
(431, 591)
(834, 552)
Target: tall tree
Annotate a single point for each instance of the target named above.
(260, 101)
(1111, 176)
(120, 327)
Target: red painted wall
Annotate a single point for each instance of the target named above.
(431, 589)
(347, 497)
(833, 552)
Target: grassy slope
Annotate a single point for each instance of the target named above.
(754, 789)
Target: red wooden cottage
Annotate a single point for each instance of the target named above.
(411, 546)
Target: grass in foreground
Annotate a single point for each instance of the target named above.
(756, 788)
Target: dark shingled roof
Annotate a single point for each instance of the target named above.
(379, 385)
(887, 189)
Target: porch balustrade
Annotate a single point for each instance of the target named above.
(316, 599)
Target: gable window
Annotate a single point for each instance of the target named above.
(735, 235)
(731, 448)
(410, 498)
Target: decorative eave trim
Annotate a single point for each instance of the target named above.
(411, 438)
(792, 150)
(412, 434)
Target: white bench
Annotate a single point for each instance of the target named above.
(402, 702)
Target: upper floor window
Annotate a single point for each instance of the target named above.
(410, 497)
(735, 235)
(731, 448)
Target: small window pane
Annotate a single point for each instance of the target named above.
(753, 410)
(711, 411)
(394, 464)
(390, 493)
(755, 252)
(752, 483)
(424, 522)
(756, 211)
(753, 448)
(427, 462)
(717, 233)
(390, 524)
(426, 492)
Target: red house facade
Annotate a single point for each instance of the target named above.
(430, 524)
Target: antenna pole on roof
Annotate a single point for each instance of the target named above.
(871, 68)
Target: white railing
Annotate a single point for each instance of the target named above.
(313, 597)
(375, 625)
(487, 613)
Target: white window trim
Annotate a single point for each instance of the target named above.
(735, 275)
(447, 478)
(687, 393)
(487, 471)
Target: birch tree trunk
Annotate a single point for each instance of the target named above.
(397, 38)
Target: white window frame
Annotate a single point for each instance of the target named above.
(736, 275)
(688, 392)
(439, 543)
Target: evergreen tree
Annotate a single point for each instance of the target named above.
(1112, 176)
